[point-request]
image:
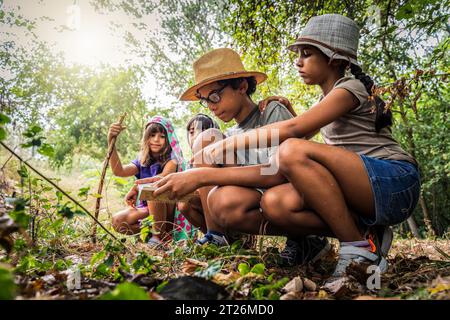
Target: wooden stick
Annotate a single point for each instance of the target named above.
(102, 179)
(58, 188)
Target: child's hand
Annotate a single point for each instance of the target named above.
(178, 184)
(284, 101)
(114, 131)
(130, 198)
(148, 180)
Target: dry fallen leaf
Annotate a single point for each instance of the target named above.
(226, 279)
(342, 287)
(190, 265)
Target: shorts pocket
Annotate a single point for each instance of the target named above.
(402, 204)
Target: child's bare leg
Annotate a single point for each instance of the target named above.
(285, 208)
(331, 180)
(127, 221)
(161, 213)
(193, 212)
(204, 139)
(237, 208)
(170, 217)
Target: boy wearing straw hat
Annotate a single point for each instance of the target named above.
(224, 86)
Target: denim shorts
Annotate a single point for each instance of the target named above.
(395, 187)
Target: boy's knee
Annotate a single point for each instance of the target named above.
(272, 206)
(225, 210)
(292, 153)
(269, 201)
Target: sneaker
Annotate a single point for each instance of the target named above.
(215, 238)
(304, 250)
(385, 236)
(349, 254)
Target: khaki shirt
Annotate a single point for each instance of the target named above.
(355, 130)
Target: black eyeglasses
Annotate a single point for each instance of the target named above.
(213, 97)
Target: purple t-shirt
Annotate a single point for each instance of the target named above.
(147, 172)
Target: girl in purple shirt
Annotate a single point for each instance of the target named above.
(157, 156)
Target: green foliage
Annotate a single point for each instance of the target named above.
(258, 269)
(144, 264)
(146, 228)
(4, 119)
(67, 211)
(18, 214)
(103, 262)
(126, 291)
(7, 285)
(269, 291)
(243, 268)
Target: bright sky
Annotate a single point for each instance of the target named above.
(92, 41)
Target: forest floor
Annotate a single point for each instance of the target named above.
(61, 262)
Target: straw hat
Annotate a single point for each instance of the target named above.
(333, 34)
(218, 64)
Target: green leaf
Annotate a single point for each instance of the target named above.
(258, 269)
(144, 264)
(2, 134)
(97, 257)
(65, 211)
(4, 119)
(126, 291)
(7, 285)
(243, 268)
(37, 141)
(83, 192)
(21, 218)
(61, 264)
(57, 224)
(161, 286)
(35, 129)
(46, 150)
(23, 172)
(102, 270)
(145, 233)
(59, 195)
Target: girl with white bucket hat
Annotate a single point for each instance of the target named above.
(355, 185)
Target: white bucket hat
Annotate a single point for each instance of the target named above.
(333, 34)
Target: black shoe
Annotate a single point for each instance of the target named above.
(304, 250)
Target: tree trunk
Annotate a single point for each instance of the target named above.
(426, 217)
(413, 227)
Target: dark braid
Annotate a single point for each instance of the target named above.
(383, 117)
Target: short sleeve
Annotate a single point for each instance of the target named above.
(355, 87)
(137, 163)
(275, 112)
